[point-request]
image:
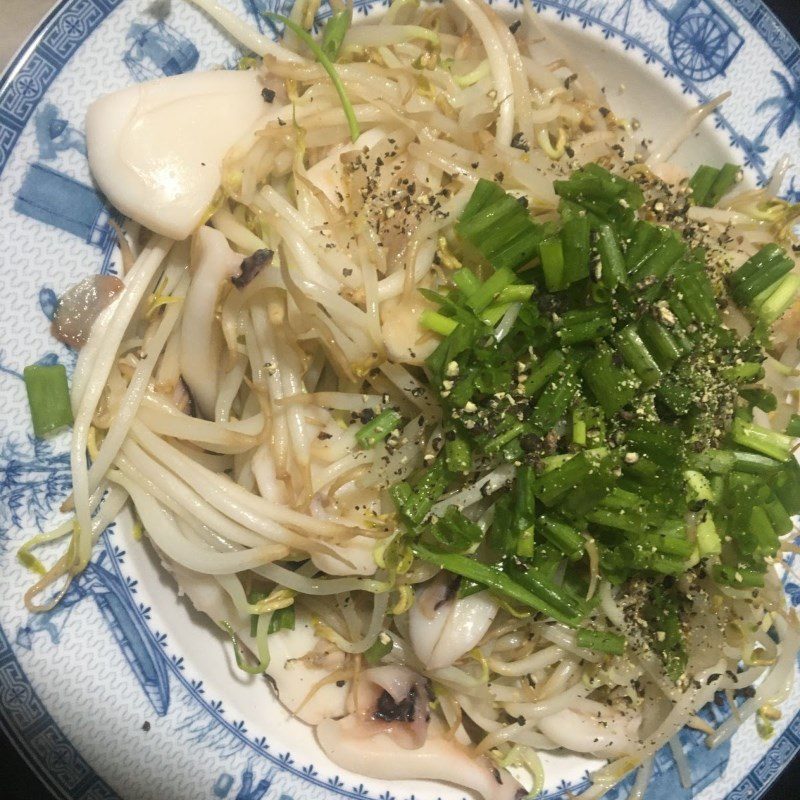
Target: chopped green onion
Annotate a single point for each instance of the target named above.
(454, 533)
(551, 254)
(637, 356)
(48, 398)
(612, 644)
(334, 32)
(282, 619)
(494, 579)
(381, 647)
(438, 323)
(378, 428)
(611, 260)
(725, 180)
(701, 183)
(326, 64)
(763, 440)
(457, 455)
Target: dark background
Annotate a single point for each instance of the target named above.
(17, 782)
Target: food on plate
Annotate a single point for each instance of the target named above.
(465, 413)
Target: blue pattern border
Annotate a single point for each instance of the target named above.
(22, 715)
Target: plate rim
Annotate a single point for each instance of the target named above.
(91, 784)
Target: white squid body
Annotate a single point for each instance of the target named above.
(608, 735)
(213, 263)
(294, 678)
(355, 746)
(156, 149)
(406, 341)
(442, 629)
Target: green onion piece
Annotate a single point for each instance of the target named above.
(701, 183)
(759, 398)
(793, 428)
(584, 326)
(454, 533)
(282, 619)
(438, 323)
(741, 578)
(377, 428)
(488, 291)
(576, 244)
(784, 294)
(637, 356)
(642, 241)
(381, 647)
(613, 387)
(708, 540)
(562, 536)
(467, 281)
(659, 262)
(723, 183)
(48, 398)
(327, 65)
(334, 32)
(746, 372)
(694, 289)
(414, 502)
(614, 271)
(551, 254)
(660, 342)
(518, 293)
(457, 455)
(554, 401)
(612, 644)
(543, 371)
(492, 578)
(763, 440)
(565, 478)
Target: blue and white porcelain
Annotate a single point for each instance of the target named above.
(122, 691)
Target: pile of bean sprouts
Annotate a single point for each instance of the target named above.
(226, 416)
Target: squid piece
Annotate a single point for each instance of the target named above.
(406, 341)
(353, 744)
(299, 660)
(608, 734)
(213, 263)
(157, 149)
(443, 627)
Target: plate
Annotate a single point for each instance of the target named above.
(122, 691)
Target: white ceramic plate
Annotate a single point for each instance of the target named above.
(122, 691)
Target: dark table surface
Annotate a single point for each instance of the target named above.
(17, 782)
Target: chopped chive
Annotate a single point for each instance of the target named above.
(378, 428)
(492, 578)
(782, 297)
(466, 281)
(282, 619)
(724, 181)
(457, 455)
(763, 440)
(637, 356)
(701, 183)
(584, 326)
(612, 644)
(327, 65)
(562, 536)
(48, 398)
(575, 239)
(381, 647)
(334, 32)
(543, 371)
(438, 323)
(551, 254)
(613, 271)
(488, 291)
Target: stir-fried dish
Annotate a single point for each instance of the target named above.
(463, 411)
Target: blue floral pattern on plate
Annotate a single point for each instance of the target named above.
(105, 658)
